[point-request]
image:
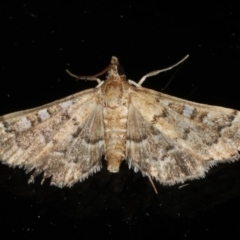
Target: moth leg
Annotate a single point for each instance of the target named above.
(100, 84)
(153, 185)
(133, 83)
(153, 73)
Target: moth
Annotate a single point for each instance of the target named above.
(166, 138)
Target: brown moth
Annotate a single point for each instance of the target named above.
(166, 138)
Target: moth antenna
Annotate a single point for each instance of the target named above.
(90, 78)
(170, 80)
(153, 73)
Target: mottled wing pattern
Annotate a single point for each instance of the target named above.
(64, 138)
(173, 140)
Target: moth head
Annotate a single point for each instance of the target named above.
(115, 69)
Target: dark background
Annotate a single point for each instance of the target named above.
(40, 40)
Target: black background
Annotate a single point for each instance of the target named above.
(40, 40)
